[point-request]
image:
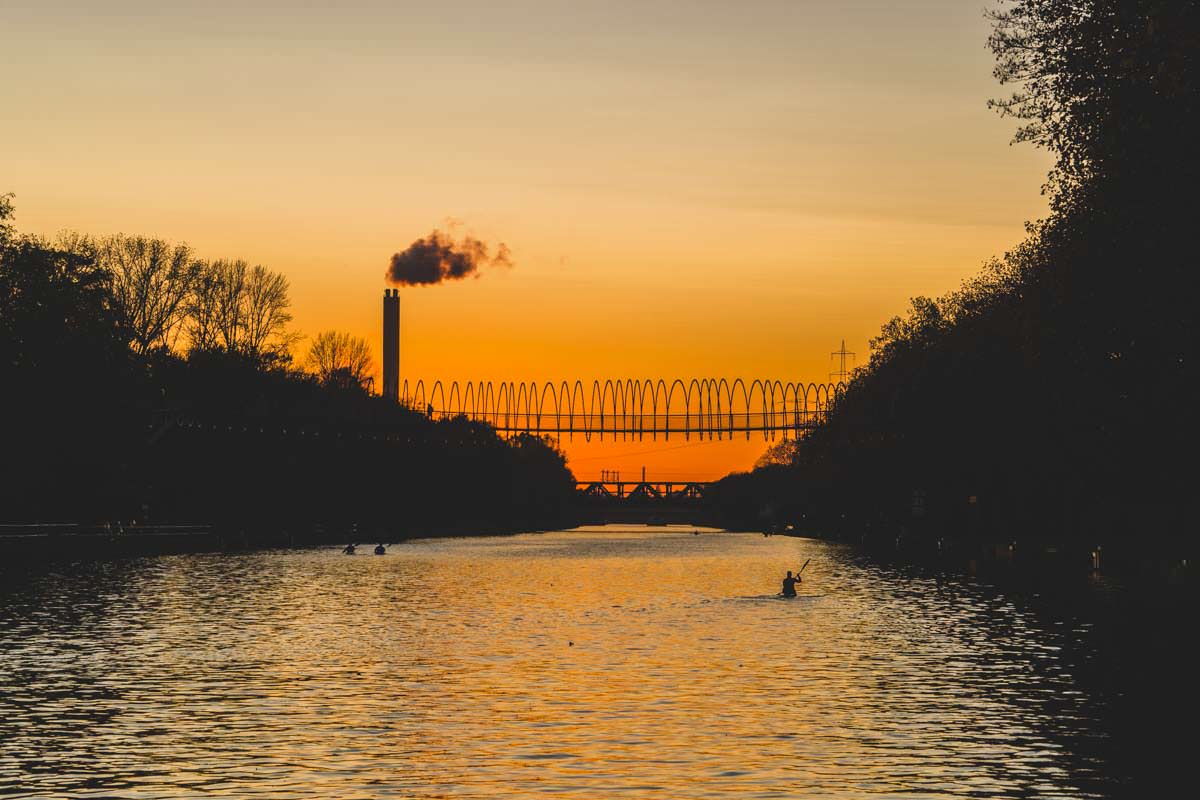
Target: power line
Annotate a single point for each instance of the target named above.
(841, 373)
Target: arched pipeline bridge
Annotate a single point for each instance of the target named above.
(631, 408)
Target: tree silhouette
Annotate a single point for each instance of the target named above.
(267, 312)
(151, 281)
(1057, 387)
(6, 215)
(1094, 78)
(340, 359)
(239, 309)
(101, 419)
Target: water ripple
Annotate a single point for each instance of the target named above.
(643, 663)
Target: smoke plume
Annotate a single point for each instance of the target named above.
(438, 257)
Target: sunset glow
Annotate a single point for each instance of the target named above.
(688, 190)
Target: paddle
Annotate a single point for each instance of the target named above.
(802, 568)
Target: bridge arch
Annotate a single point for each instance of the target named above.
(670, 396)
(794, 420)
(547, 389)
(577, 396)
(418, 394)
(630, 389)
(523, 403)
(607, 393)
(437, 398)
(630, 408)
(778, 407)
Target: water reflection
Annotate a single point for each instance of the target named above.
(644, 662)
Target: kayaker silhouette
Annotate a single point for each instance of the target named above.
(789, 583)
(380, 549)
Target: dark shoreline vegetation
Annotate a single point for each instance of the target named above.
(142, 383)
(1053, 397)
(1049, 400)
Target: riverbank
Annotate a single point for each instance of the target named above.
(29, 541)
(49, 540)
(1169, 562)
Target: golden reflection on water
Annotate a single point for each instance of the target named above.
(643, 662)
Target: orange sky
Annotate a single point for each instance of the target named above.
(688, 189)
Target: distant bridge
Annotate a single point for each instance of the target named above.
(630, 408)
(616, 501)
(649, 491)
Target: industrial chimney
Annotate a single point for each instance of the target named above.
(391, 344)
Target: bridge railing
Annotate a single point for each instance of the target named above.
(631, 408)
(785, 424)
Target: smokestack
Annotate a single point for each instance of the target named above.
(391, 344)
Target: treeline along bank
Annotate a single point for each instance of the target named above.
(140, 382)
(1054, 395)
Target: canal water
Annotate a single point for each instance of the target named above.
(637, 662)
